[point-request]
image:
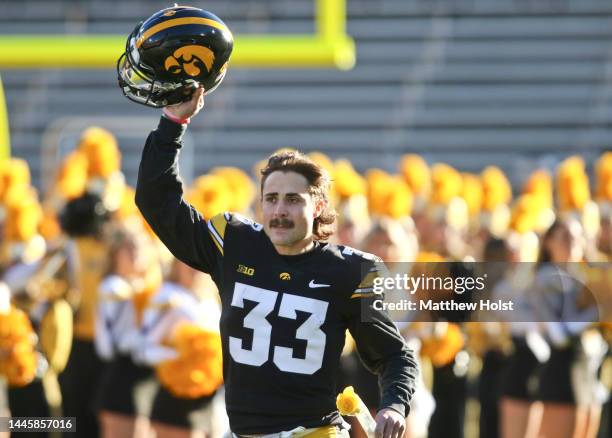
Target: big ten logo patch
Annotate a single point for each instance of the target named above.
(246, 270)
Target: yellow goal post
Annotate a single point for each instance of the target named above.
(329, 46)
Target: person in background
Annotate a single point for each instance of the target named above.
(519, 414)
(83, 219)
(604, 237)
(185, 298)
(395, 241)
(126, 391)
(568, 385)
(489, 340)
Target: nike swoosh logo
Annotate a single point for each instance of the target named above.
(313, 285)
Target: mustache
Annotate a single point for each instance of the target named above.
(281, 223)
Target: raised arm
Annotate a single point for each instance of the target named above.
(159, 191)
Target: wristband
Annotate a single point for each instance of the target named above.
(175, 119)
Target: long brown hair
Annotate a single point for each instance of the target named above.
(119, 237)
(319, 183)
(545, 254)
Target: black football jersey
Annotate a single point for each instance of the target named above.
(284, 318)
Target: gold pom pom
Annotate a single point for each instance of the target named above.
(472, 193)
(17, 172)
(429, 257)
(241, 187)
(14, 175)
(416, 173)
(197, 371)
(346, 181)
(443, 345)
(18, 358)
(603, 172)
(388, 195)
(496, 188)
(210, 195)
(446, 184)
(102, 152)
(573, 190)
(24, 215)
(524, 216)
(540, 184)
(71, 179)
(399, 199)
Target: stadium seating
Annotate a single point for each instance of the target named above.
(476, 82)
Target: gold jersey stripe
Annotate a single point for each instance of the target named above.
(368, 280)
(179, 22)
(216, 229)
(219, 222)
(214, 239)
(364, 295)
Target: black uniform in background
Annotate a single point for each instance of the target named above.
(283, 317)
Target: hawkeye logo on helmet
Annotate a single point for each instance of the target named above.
(190, 59)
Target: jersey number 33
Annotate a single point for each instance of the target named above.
(310, 330)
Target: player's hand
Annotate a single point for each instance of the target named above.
(389, 424)
(190, 108)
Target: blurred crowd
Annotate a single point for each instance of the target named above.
(98, 321)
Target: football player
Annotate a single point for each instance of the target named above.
(287, 296)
